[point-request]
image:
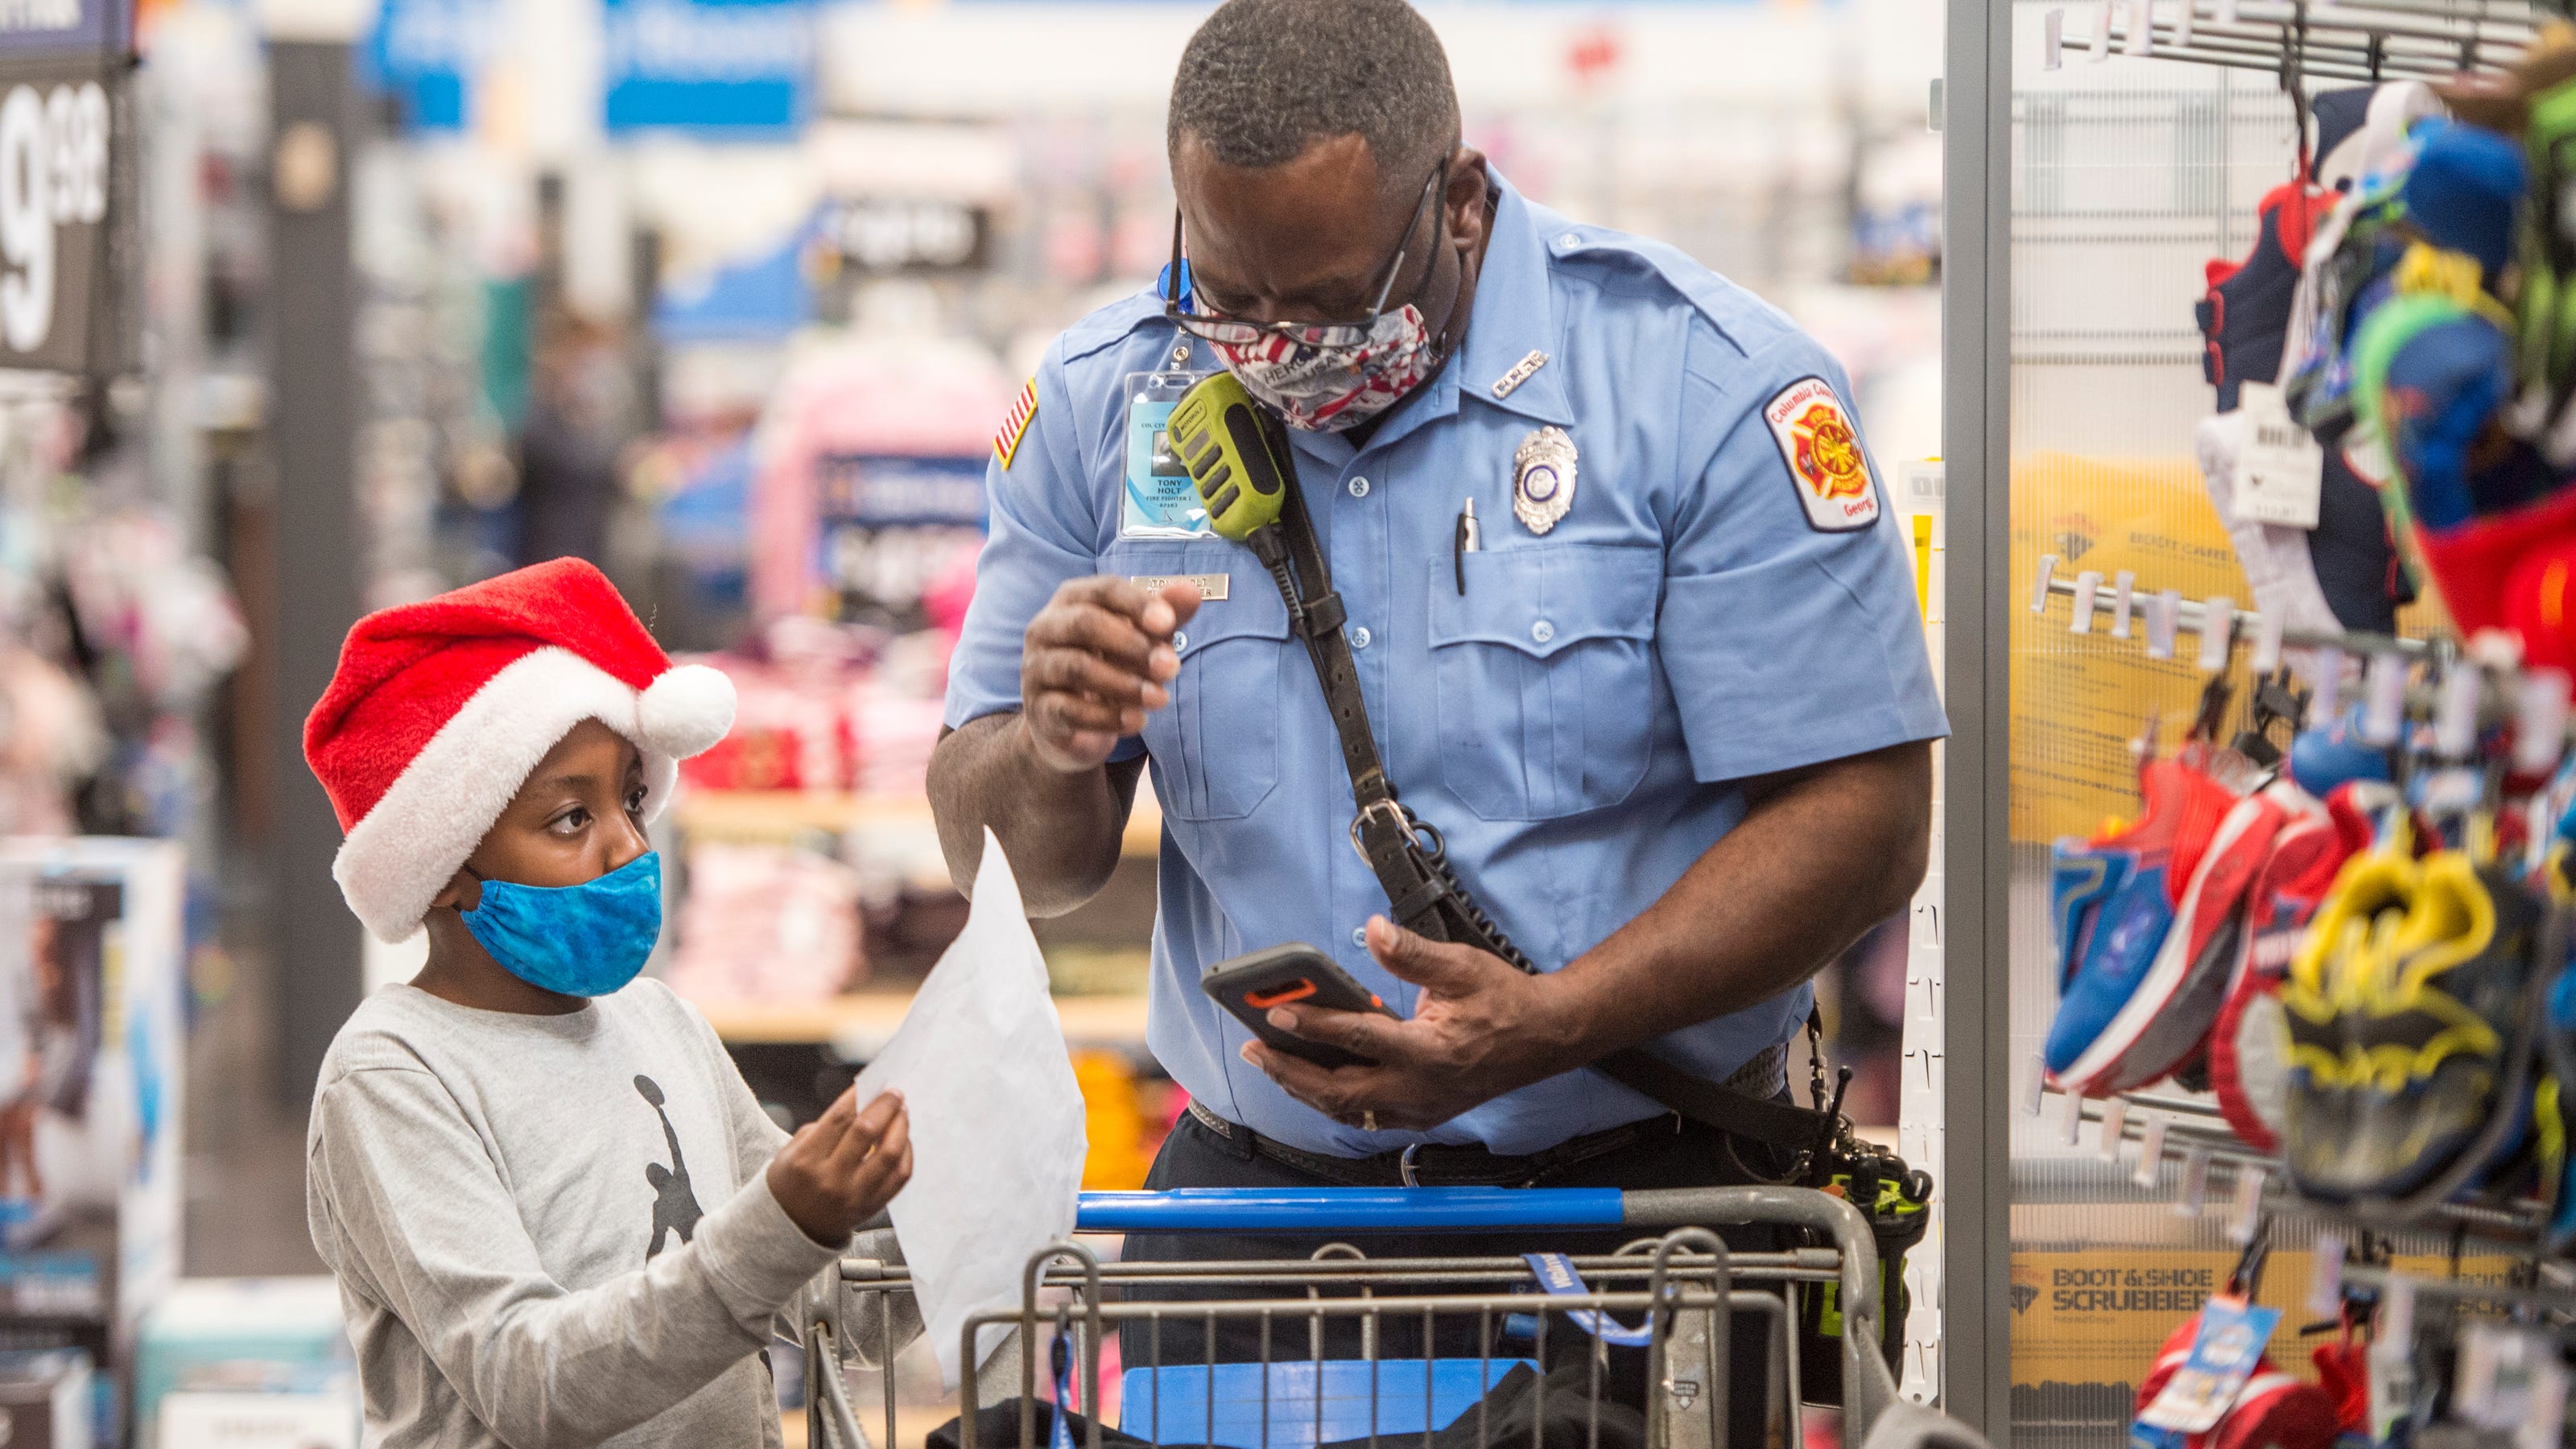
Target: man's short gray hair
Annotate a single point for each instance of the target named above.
(1264, 79)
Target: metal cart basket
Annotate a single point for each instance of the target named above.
(1320, 1375)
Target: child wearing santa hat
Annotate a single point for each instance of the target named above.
(557, 1214)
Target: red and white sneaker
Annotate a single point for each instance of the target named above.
(2161, 1019)
(2249, 1047)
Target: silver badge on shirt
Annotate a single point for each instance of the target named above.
(1543, 478)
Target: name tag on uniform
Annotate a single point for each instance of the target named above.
(1212, 587)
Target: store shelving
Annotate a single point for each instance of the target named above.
(898, 832)
(858, 1025)
(777, 814)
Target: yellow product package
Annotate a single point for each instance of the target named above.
(2079, 700)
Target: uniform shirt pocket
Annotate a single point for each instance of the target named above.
(1215, 747)
(1547, 690)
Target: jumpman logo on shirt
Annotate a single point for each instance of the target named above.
(675, 1206)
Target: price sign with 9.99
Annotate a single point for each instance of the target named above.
(57, 181)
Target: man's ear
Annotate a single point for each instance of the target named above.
(461, 893)
(1465, 199)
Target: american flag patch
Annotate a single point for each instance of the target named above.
(1007, 441)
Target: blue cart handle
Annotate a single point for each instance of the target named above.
(1349, 1209)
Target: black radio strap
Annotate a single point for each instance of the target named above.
(1411, 859)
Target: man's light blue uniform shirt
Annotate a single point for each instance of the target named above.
(1571, 724)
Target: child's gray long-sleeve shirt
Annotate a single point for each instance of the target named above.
(551, 1230)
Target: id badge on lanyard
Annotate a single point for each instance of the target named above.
(1157, 499)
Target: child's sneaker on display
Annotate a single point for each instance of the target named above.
(2424, 1009)
(2249, 1048)
(2452, 1007)
(2150, 964)
(2325, 758)
(2357, 923)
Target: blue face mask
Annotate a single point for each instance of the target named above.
(583, 940)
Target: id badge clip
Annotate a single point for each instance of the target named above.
(1157, 498)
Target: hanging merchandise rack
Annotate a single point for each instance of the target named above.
(2367, 42)
(2190, 1136)
(2352, 1248)
(2460, 695)
(2536, 703)
(2068, 169)
(2156, 616)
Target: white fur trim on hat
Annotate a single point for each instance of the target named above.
(406, 849)
(686, 710)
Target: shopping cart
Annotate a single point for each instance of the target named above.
(1676, 1281)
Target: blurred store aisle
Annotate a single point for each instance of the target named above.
(245, 1154)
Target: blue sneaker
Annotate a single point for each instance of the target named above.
(2326, 758)
(2147, 919)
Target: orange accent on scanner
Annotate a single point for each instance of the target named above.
(1264, 1000)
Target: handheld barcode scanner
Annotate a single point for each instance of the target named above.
(1250, 985)
(1219, 434)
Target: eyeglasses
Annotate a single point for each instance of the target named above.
(1237, 332)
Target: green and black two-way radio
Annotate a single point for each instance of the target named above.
(1220, 435)
(1243, 474)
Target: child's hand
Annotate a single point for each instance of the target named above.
(841, 1169)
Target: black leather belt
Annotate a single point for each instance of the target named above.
(1433, 1164)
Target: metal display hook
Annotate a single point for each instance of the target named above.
(2211, 620)
(2294, 49)
(2297, 42)
(2246, 1278)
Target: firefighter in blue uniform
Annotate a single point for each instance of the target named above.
(1626, 600)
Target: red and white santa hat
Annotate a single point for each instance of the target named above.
(440, 709)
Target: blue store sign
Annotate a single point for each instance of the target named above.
(50, 27)
(731, 69)
(428, 52)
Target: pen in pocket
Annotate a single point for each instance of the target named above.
(1467, 541)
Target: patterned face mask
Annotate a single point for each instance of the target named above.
(1329, 389)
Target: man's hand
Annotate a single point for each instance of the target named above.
(842, 1168)
(1095, 660)
(1093, 663)
(1479, 1029)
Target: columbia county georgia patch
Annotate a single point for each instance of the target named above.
(1007, 441)
(1823, 452)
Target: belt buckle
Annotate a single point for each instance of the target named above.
(1403, 821)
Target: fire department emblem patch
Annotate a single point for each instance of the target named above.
(1823, 452)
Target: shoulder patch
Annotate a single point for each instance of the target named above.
(1006, 442)
(1826, 464)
